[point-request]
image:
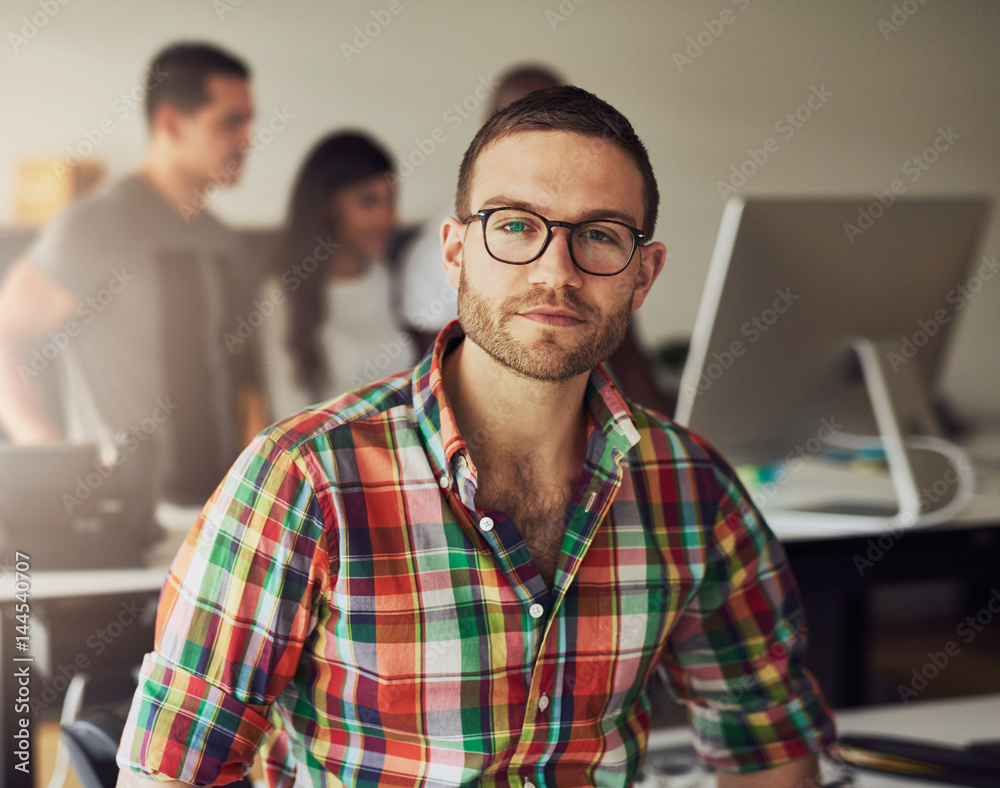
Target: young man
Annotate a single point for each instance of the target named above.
(134, 288)
(470, 574)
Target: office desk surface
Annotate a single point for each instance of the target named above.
(953, 721)
(67, 583)
(86, 583)
(819, 483)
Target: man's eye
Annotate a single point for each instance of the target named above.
(516, 226)
(602, 235)
(598, 236)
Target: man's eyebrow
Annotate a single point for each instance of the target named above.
(237, 116)
(502, 201)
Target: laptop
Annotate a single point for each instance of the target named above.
(66, 509)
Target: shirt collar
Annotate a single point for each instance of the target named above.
(436, 420)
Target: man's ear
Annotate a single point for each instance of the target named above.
(167, 121)
(651, 259)
(452, 241)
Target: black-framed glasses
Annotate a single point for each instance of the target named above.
(602, 247)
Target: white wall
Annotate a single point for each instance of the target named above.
(890, 90)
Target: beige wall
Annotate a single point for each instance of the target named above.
(888, 88)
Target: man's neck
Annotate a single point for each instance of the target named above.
(504, 416)
(183, 195)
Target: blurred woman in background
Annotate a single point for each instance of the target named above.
(334, 326)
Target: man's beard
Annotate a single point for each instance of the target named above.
(486, 325)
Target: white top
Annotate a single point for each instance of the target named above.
(429, 302)
(359, 340)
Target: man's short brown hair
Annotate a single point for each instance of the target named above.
(562, 108)
(178, 75)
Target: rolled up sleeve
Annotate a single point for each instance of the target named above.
(738, 651)
(239, 602)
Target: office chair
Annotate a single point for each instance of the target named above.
(92, 742)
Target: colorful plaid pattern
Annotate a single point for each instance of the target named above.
(338, 586)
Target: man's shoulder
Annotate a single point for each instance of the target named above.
(670, 450)
(130, 204)
(103, 205)
(113, 213)
(663, 441)
(86, 236)
(331, 423)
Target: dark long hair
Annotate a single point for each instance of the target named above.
(303, 258)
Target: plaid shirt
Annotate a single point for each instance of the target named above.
(341, 586)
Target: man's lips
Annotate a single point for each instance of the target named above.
(552, 316)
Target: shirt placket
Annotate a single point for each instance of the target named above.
(542, 722)
(504, 541)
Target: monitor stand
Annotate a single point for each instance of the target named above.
(932, 478)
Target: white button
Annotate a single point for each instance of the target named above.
(486, 524)
(529, 784)
(536, 611)
(543, 703)
(444, 482)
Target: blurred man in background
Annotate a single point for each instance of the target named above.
(127, 294)
(429, 304)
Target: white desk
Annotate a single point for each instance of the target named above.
(63, 584)
(819, 482)
(85, 582)
(959, 721)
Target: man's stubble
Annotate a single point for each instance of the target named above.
(487, 326)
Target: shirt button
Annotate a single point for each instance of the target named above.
(444, 481)
(543, 703)
(486, 524)
(536, 611)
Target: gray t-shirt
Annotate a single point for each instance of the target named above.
(145, 358)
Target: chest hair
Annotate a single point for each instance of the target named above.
(536, 503)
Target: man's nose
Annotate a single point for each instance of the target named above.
(555, 267)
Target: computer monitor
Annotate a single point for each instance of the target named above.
(827, 319)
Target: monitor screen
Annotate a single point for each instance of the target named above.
(817, 313)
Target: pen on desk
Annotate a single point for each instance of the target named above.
(881, 761)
